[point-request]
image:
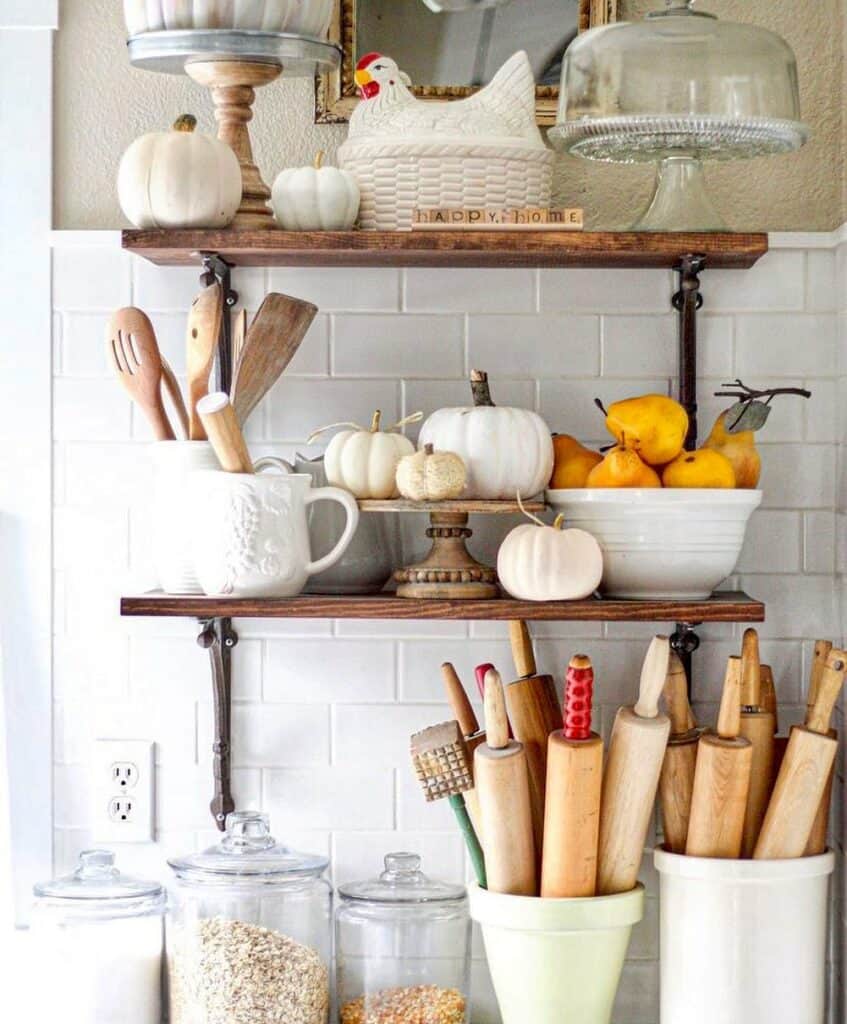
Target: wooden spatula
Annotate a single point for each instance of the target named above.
(171, 385)
(273, 338)
(132, 350)
(204, 325)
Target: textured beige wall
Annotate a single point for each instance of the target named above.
(102, 105)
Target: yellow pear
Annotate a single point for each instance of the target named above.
(573, 462)
(623, 468)
(741, 451)
(654, 426)
(701, 468)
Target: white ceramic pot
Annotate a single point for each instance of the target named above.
(743, 940)
(673, 544)
(250, 536)
(172, 524)
(301, 17)
(556, 961)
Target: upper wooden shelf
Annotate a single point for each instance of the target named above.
(729, 606)
(446, 248)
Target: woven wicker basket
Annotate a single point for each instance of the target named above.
(397, 177)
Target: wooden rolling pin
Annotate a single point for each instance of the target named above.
(221, 425)
(759, 727)
(768, 696)
(464, 714)
(534, 713)
(502, 785)
(574, 779)
(817, 839)
(721, 779)
(676, 783)
(631, 777)
(804, 773)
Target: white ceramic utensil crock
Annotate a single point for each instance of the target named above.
(251, 538)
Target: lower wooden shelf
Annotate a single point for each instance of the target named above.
(727, 606)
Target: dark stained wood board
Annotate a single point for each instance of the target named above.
(730, 606)
(274, 248)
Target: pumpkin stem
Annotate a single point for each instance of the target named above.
(559, 522)
(601, 407)
(529, 515)
(428, 449)
(185, 123)
(375, 421)
(416, 417)
(330, 426)
(319, 159)
(480, 389)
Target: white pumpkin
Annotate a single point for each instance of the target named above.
(316, 198)
(364, 462)
(302, 17)
(179, 179)
(507, 451)
(549, 563)
(431, 476)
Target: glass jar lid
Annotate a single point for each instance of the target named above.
(96, 879)
(401, 882)
(248, 852)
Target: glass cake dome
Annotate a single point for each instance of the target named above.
(675, 89)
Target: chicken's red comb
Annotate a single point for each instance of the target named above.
(579, 690)
(365, 61)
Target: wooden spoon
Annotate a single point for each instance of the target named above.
(171, 385)
(132, 350)
(273, 338)
(204, 327)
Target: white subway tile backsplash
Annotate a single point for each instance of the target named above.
(606, 291)
(297, 407)
(359, 855)
(798, 476)
(345, 671)
(271, 735)
(799, 345)
(775, 283)
(376, 734)
(340, 288)
(535, 346)
(92, 410)
(822, 289)
(90, 278)
(773, 543)
(470, 291)
(351, 799)
(366, 345)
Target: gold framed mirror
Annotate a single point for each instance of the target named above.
(409, 31)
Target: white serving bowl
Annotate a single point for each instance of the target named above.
(673, 544)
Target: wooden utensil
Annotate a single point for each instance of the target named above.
(631, 777)
(273, 338)
(443, 768)
(171, 385)
(502, 783)
(574, 781)
(220, 424)
(239, 333)
(204, 326)
(534, 714)
(474, 736)
(817, 839)
(721, 779)
(676, 783)
(768, 695)
(822, 649)
(480, 673)
(134, 355)
(804, 773)
(759, 727)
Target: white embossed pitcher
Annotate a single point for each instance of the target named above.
(251, 538)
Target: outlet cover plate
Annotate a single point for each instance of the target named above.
(123, 789)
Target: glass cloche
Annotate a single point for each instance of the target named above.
(678, 88)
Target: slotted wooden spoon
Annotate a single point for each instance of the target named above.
(132, 350)
(204, 325)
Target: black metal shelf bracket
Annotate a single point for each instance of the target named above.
(216, 268)
(219, 638)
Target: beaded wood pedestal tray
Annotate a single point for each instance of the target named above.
(449, 570)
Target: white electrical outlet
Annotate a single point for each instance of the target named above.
(123, 791)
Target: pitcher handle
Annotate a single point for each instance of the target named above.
(272, 462)
(351, 506)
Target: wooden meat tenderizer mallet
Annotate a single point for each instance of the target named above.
(534, 713)
(676, 783)
(502, 785)
(631, 777)
(759, 727)
(817, 840)
(221, 425)
(461, 707)
(721, 779)
(804, 772)
(574, 782)
(443, 768)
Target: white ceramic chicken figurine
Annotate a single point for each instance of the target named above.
(505, 108)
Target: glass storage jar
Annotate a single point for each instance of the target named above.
(250, 930)
(403, 948)
(99, 937)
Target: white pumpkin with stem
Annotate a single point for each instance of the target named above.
(429, 475)
(363, 461)
(179, 179)
(316, 198)
(537, 562)
(506, 450)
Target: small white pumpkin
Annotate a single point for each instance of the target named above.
(179, 179)
(364, 462)
(316, 198)
(537, 562)
(506, 450)
(429, 475)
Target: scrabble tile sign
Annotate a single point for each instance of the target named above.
(526, 219)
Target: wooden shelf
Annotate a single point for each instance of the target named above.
(729, 606)
(446, 248)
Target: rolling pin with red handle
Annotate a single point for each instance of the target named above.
(804, 773)
(574, 778)
(758, 725)
(631, 777)
(676, 783)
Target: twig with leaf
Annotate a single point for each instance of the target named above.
(750, 412)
